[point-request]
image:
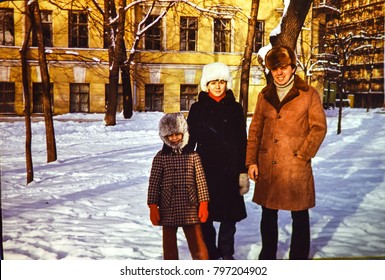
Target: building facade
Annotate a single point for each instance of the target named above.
(168, 60)
(349, 57)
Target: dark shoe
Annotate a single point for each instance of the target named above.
(228, 258)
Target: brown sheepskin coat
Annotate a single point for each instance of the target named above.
(283, 138)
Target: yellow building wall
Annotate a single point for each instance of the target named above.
(175, 67)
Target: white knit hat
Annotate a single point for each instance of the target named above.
(215, 71)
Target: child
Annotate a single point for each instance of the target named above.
(177, 192)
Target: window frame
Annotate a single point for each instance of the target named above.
(259, 41)
(46, 19)
(78, 91)
(188, 34)
(153, 35)
(78, 29)
(188, 97)
(7, 24)
(37, 97)
(153, 94)
(222, 36)
(7, 97)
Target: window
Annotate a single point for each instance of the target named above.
(7, 30)
(7, 97)
(188, 95)
(153, 34)
(259, 36)
(80, 96)
(119, 107)
(222, 35)
(78, 29)
(154, 97)
(37, 89)
(188, 33)
(46, 19)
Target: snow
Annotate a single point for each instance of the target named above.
(90, 204)
(277, 30)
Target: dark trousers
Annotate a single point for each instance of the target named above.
(225, 247)
(300, 238)
(194, 238)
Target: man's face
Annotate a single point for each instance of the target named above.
(282, 74)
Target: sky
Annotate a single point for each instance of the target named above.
(90, 204)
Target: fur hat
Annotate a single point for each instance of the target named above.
(215, 71)
(280, 56)
(173, 123)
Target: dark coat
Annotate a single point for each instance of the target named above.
(218, 132)
(283, 138)
(177, 185)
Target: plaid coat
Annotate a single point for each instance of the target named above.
(177, 185)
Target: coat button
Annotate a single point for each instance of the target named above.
(279, 116)
(275, 140)
(274, 162)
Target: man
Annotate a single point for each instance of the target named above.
(286, 131)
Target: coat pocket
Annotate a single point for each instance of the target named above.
(192, 194)
(165, 197)
(300, 170)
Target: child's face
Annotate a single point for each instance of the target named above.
(175, 138)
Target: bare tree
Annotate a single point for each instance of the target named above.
(115, 30)
(246, 61)
(292, 22)
(114, 22)
(49, 128)
(26, 92)
(33, 21)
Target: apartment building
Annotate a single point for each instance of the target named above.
(349, 59)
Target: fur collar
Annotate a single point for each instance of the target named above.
(270, 93)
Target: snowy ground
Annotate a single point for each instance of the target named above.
(91, 203)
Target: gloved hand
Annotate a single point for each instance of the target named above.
(203, 212)
(154, 214)
(244, 183)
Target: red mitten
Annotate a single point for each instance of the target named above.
(203, 212)
(154, 214)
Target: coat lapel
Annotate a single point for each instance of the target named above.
(271, 96)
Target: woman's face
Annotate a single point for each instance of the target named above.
(282, 74)
(217, 87)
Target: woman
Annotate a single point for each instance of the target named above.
(286, 131)
(218, 131)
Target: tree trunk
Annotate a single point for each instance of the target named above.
(127, 92)
(246, 61)
(124, 68)
(292, 23)
(113, 79)
(50, 132)
(117, 55)
(110, 117)
(27, 102)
